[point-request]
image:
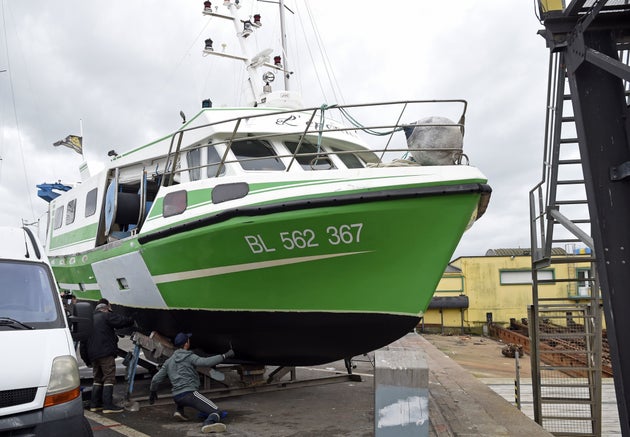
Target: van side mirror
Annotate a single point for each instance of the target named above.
(81, 321)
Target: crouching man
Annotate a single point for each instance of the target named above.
(180, 368)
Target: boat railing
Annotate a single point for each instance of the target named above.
(320, 125)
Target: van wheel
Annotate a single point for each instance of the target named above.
(87, 428)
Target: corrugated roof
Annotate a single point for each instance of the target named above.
(521, 252)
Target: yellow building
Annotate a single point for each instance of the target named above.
(497, 287)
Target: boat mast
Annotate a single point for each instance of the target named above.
(257, 85)
(254, 83)
(283, 37)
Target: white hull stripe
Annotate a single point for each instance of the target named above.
(77, 287)
(215, 271)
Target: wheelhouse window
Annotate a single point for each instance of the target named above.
(196, 163)
(349, 159)
(213, 162)
(256, 155)
(58, 217)
(70, 211)
(309, 157)
(193, 158)
(90, 202)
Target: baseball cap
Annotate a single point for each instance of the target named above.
(101, 306)
(181, 339)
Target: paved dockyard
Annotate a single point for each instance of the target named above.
(460, 403)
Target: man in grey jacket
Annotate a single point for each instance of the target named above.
(180, 369)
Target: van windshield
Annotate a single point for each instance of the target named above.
(28, 295)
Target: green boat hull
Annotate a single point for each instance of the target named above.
(288, 285)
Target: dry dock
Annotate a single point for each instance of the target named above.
(459, 405)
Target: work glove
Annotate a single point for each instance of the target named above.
(152, 397)
(228, 354)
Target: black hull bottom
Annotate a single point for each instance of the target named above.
(278, 338)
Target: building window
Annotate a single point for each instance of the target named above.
(584, 285)
(524, 277)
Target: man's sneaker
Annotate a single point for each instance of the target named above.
(113, 409)
(95, 409)
(213, 427)
(180, 416)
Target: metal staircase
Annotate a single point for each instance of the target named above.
(565, 333)
(582, 202)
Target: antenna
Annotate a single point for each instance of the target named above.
(284, 46)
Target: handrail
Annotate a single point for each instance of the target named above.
(329, 127)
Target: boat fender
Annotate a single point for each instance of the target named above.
(435, 145)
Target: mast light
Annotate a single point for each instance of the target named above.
(247, 28)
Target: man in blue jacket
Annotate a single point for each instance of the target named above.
(180, 369)
(100, 351)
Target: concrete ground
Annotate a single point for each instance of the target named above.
(335, 409)
(459, 403)
(481, 356)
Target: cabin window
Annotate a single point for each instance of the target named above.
(256, 155)
(70, 211)
(213, 162)
(349, 159)
(308, 156)
(175, 203)
(193, 157)
(58, 217)
(90, 202)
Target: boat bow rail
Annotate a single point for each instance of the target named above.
(359, 135)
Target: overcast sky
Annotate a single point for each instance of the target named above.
(124, 69)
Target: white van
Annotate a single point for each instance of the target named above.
(39, 377)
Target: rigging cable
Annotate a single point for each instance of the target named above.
(15, 114)
(327, 64)
(312, 58)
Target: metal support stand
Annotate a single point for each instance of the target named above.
(517, 379)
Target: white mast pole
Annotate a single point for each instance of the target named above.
(284, 46)
(253, 84)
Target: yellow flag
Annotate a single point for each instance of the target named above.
(74, 142)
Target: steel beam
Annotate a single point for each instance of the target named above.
(601, 112)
